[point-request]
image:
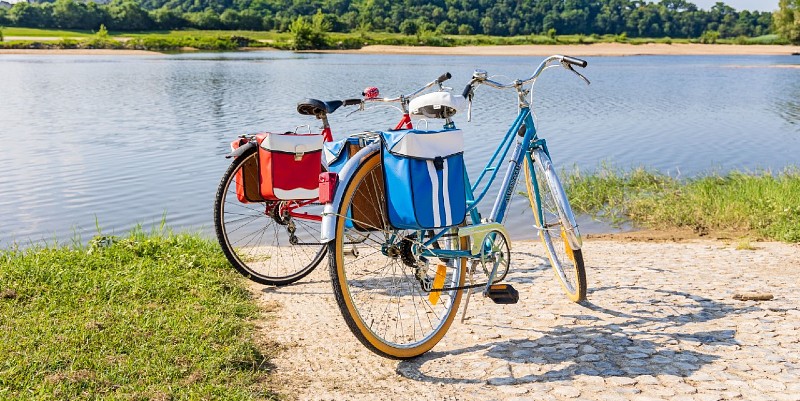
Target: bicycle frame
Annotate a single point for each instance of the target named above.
(522, 150)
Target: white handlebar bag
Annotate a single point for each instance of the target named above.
(424, 178)
(437, 105)
(289, 165)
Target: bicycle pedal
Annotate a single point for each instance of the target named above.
(503, 294)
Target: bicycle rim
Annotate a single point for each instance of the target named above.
(378, 293)
(555, 227)
(256, 240)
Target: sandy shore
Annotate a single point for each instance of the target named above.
(598, 49)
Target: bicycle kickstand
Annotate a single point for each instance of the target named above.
(469, 291)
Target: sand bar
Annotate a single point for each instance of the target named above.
(597, 49)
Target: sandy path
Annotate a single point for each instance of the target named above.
(660, 324)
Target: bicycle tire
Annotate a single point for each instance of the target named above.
(256, 243)
(558, 223)
(379, 296)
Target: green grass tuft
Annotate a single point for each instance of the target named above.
(762, 204)
(148, 316)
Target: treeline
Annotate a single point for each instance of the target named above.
(634, 18)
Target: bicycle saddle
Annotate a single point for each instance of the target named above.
(314, 107)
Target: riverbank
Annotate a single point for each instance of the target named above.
(587, 50)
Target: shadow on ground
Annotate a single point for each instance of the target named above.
(640, 331)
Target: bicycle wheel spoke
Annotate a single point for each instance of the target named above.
(378, 285)
(256, 241)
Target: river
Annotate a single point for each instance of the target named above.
(115, 141)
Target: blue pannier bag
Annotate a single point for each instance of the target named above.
(424, 178)
(336, 153)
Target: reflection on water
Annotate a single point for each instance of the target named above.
(125, 139)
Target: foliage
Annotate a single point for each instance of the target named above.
(787, 20)
(147, 316)
(672, 18)
(310, 35)
(761, 204)
(145, 42)
(709, 37)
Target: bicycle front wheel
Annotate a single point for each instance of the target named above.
(556, 224)
(382, 281)
(262, 240)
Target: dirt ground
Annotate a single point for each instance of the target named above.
(660, 323)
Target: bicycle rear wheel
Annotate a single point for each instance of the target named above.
(378, 274)
(261, 240)
(556, 223)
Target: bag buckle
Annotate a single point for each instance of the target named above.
(299, 151)
(438, 162)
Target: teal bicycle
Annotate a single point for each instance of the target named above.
(399, 283)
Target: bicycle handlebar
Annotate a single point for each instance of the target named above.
(443, 77)
(480, 76)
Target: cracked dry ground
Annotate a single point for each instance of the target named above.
(660, 324)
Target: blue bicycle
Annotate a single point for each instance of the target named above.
(405, 236)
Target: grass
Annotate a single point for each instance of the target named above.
(761, 204)
(148, 316)
(36, 32)
(229, 40)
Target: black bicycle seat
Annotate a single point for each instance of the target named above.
(314, 107)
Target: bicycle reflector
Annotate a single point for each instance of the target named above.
(327, 187)
(370, 92)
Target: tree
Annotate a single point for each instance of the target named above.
(29, 15)
(129, 16)
(787, 20)
(408, 27)
(69, 14)
(167, 18)
(301, 30)
(310, 35)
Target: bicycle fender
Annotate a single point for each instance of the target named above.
(328, 229)
(240, 150)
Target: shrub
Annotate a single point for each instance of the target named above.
(709, 37)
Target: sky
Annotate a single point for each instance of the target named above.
(752, 5)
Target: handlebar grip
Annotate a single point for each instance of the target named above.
(467, 90)
(443, 77)
(351, 102)
(576, 61)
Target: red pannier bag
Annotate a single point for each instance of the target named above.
(289, 165)
(247, 187)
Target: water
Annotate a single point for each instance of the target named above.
(123, 140)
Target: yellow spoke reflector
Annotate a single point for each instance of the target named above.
(567, 248)
(438, 283)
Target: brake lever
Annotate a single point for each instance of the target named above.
(359, 108)
(569, 67)
(469, 108)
